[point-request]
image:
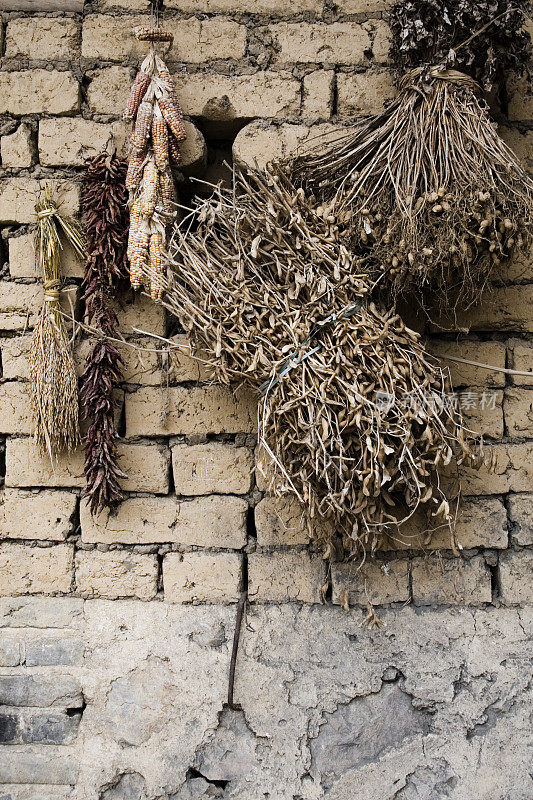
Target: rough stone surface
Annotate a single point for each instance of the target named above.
(36, 515)
(116, 574)
(258, 143)
(35, 570)
(518, 411)
(285, 577)
(521, 515)
(22, 261)
(19, 196)
(462, 375)
(38, 91)
(439, 580)
(181, 410)
(375, 582)
(214, 521)
(338, 43)
(206, 577)
(212, 467)
(361, 94)
(515, 577)
(17, 148)
(49, 38)
(280, 521)
(522, 358)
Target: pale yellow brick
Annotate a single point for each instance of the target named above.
(521, 516)
(18, 197)
(145, 465)
(20, 303)
(50, 38)
(451, 581)
(278, 7)
(521, 360)
(511, 471)
(258, 143)
(318, 94)
(38, 91)
(15, 408)
(108, 90)
(481, 522)
(141, 365)
(205, 522)
(183, 410)
(491, 353)
(37, 515)
(381, 42)
(284, 577)
(15, 352)
(17, 150)
(375, 582)
(515, 577)
(337, 43)
(520, 142)
(520, 105)
(364, 93)
(280, 521)
(69, 141)
(518, 268)
(482, 412)
(196, 40)
(116, 574)
(23, 264)
(518, 411)
(224, 98)
(363, 6)
(203, 577)
(138, 313)
(506, 308)
(35, 570)
(183, 364)
(212, 467)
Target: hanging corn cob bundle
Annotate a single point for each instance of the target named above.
(157, 130)
(53, 380)
(355, 417)
(104, 202)
(427, 186)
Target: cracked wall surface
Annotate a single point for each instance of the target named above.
(116, 631)
(436, 704)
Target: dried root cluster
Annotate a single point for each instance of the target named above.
(426, 188)
(154, 148)
(266, 289)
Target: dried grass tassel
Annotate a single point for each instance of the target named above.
(53, 380)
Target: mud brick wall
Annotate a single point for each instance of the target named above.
(116, 631)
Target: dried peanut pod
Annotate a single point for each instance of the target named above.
(160, 143)
(173, 117)
(149, 193)
(174, 150)
(156, 266)
(143, 125)
(166, 190)
(135, 222)
(137, 92)
(144, 33)
(133, 175)
(139, 257)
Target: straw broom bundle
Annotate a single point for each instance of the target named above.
(53, 381)
(427, 187)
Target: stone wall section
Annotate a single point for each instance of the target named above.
(196, 527)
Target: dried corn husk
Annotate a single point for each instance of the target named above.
(173, 118)
(139, 87)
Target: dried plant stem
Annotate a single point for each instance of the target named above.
(53, 380)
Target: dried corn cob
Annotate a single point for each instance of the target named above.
(160, 141)
(135, 223)
(149, 194)
(166, 190)
(172, 117)
(133, 176)
(146, 34)
(139, 257)
(138, 90)
(156, 267)
(174, 150)
(143, 125)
